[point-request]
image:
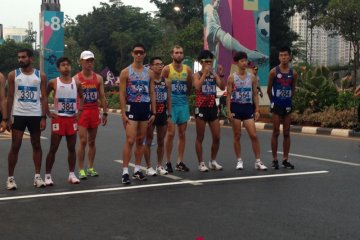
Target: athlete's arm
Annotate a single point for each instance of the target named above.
(80, 95)
(198, 81)
(10, 97)
(255, 97)
(219, 82)
(152, 97)
(293, 86)
(102, 93)
(270, 83)
(230, 84)
(189, 79)
(122, 94)
(50, 87)
(44, 100)
(165, 74)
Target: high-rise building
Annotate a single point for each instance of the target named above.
(321, 47)
(15, 33)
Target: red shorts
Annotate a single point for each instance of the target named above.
(64, 126)
(89, 118)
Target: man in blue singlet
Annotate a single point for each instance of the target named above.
(138, 109)
(281, 90)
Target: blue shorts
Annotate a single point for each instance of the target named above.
(242, 111)
(180, 114)
(137, 111)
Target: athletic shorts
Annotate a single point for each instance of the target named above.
(161, 119)
(0, 116)
(137, 111)
(280, 110)
(89, 118)
(207, 114)
(242, 111)
(180, 114)
(64, 126)
(32, 123)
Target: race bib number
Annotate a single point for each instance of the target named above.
(243, 95)
(27, 94)
(67, 106)
(90, 95)
(208, 89)
(283, 93)
(179, 87)
(161, 96)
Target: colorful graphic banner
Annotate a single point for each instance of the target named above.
(238, 25)
(52, 41)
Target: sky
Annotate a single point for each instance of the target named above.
(17, 13)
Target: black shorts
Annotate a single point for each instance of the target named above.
(161, 119)
(207, 114)
(137, 111)
(242, 111)
(32, 123)
(0, 116)
(280, 110)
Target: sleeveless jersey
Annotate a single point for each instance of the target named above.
(137, 86)
(90, 91)
(65, 98)
(242, 90)
(178, 86)
(27, 94)
(281, 87)
(161, 95)
(205, 97)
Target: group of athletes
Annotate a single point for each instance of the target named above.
(154, 97)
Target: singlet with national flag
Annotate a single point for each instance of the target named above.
(205, 97)
(27, 94)
(65, 98)
(242, 91)
(90, 89)
(178, 85)
(281, 87)
(161, 95)
(137, 86)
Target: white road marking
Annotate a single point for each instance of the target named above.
(157, 185)
(323, 159)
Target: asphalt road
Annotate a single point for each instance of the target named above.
(319, 199)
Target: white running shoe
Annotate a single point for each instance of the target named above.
(240, 165)
(150, 171)
(48, 181)
(260, 166)
(213, 165)
(11, 184)
(39, 183)
(160, 170)
(73, 179)
(202, 167)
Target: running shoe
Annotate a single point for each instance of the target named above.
(139, 176)
(11, 184)
(182, 167)
(260, 166)
(125, 179)
(213, 165)
(275, 164)
(82, 174)
(161, 171)
(91, 172)
(73, 179)
(39, 183)
(286, 164)
(202, 167)
(150, 172)
(240, 165)
(48, 181)
(168, 167)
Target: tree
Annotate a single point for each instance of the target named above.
(343, 18)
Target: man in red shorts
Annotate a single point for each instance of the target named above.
(93, 90)
(64, 118)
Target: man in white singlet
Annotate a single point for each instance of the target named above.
(64, 119)
(26, 85)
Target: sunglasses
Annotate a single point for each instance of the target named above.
(207, 60)
(138, 52)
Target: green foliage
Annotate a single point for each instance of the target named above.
(346, 100)
(113, 100)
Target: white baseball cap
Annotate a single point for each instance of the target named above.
(86, 55)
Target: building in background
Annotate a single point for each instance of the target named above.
(14, 33)
(325, 50)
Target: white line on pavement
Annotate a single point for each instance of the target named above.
(322, 159)
(156, 185)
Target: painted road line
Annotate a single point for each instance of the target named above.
(323, 159)
(156, 185)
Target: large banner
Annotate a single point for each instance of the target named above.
(52, 41)
(238, 25)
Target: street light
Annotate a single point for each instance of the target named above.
(177, 8)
